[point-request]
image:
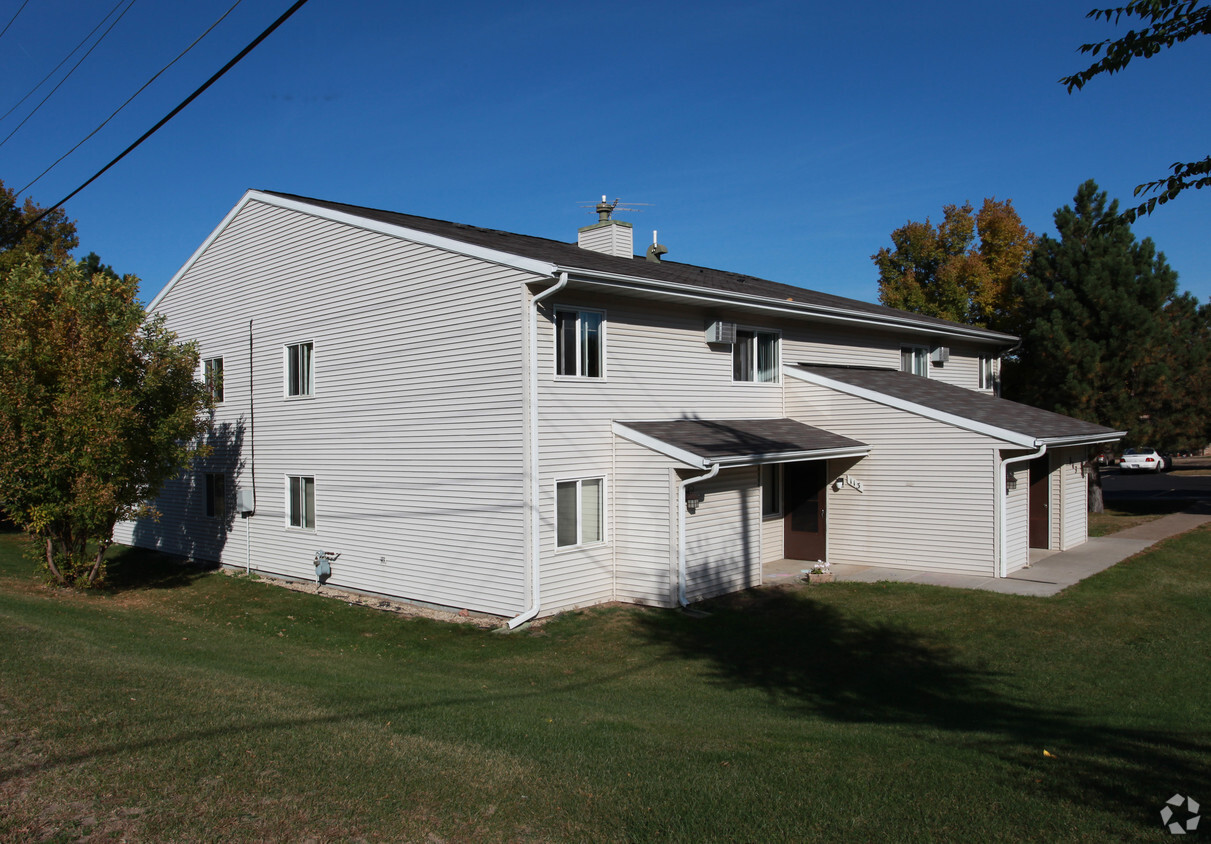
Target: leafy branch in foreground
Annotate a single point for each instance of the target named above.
(1167, 22)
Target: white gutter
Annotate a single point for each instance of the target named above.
(532, 468)
(1003, 497)
(827, 312)
(681, 485)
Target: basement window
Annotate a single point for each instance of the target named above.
(579, 512)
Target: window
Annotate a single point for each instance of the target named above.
(755, 356)
(300, 505)
(771, 489)
(300, 363)
(579, 512)
(212, 377)
(579, 342)
(988, 375)
(915, 360)
(216, 495)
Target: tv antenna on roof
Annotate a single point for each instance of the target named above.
(605, 208)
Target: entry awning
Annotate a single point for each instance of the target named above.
(1018, 424)
(703, 443)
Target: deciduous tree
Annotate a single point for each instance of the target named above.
(98, 407)
(1166, 23)
(963, 269)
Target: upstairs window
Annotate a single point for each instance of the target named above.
(300, 364)
(579, 343)
(915, 360)
(212, 376)
(755, 356)
(300, 504)
(988, 374)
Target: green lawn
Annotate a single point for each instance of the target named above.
(192, 706)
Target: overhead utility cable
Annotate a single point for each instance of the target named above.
(62, 61)
(132, 96)
(13, 18)
(69, 73)
(223, 70)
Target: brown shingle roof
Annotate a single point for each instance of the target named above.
(740, 439)
(569, 255)
(968, 404)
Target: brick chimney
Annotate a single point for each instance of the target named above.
(613, 237)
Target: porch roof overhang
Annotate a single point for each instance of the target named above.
(1018, 425)
(703, 443)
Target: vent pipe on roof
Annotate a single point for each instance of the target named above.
(656, 249)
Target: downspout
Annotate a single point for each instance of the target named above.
(1004, 499)
(681, 485)
(532, 468)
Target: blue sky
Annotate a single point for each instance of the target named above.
(779, 139)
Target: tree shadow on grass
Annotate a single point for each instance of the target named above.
(131, 569)
(813, 657)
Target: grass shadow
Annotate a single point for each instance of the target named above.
(130, 569)
(813, 657)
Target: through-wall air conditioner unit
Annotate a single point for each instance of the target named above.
(940, 354)
(721, 332)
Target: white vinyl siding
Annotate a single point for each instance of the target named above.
(415, 430)
(644, 526)
(927, 488)
(1017, 515)
(723, 537)
(1071, 523)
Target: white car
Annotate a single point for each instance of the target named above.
(1141, 460)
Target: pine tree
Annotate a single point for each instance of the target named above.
(1099, 316)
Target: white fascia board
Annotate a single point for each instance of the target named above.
(1011, 437)
(794, 456)
(1084, 439)
(822, 312)
(661, 447)
(458, 247)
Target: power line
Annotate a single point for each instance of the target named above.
(132, 96)
(69, 73)
(13, 18)
(223, 70)
(62, 61)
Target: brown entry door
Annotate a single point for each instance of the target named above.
(803, 494)
(1040, 522)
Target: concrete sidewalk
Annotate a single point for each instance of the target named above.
(1049, 571)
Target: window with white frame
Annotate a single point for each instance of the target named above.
(755, 356)
(771, 489)
(300, 369)
(212, 377)
(579, 512)
(988, 373)
(216, 495)
(915, 360)
(579, 343)
(300, 502)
